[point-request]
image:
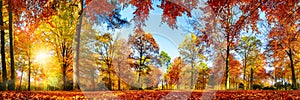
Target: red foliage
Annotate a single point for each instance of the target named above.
(142, 11)
(98, 7)
(172, 9)
(145, 95)
(32, 12)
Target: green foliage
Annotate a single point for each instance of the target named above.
(164, 58)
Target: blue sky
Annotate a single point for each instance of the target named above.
(167, 38)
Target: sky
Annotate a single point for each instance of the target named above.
(167, 38)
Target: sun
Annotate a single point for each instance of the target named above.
(42, 57)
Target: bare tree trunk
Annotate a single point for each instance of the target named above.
(12, 62)
(139, 80)
(244, 76)
(119, 75)
(76, 67)
(4, 72)
(64, 65)
(251, 78)
(29, 72)
(21, 79)
(204, 80)
(167, 86)
(93, 79)
(109, 78)
(140, 70)
(162, 84)
(294, 84)
(192, 75)
(227, 83)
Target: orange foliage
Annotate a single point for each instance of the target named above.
(175, 70)
(235, 67)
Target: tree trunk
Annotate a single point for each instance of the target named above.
(35, 81)
(76, 67)
(244, 76)
(204, 80)
(109, 77)
(21, 79)
(64, 65)
(227, 83)
(29, 72)
(294, 84)
(167, 86)
(4, 72)
(251, 78)
(140, 65)
(139, 80)
(162, 84)
(93, 79)
(119, 75)
(12, 62)
(64, 76)
(192, 76)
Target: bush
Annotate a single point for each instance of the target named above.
(52, 88)
(69, 85)
(10, 85)
(269, 88)
(256, 87)
(1, 86)
(241, 86)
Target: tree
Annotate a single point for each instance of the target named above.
(104, 47)
(203, 76)
(282, 43)
(28, 16)
(235, 70)
(59, 32)
(24, 46)
(152, 79)
(174, 72)
(122, 52)
(144, 50)
(191, 54)
(165, 61)
(257, 67)
(216, 77)
(98, 12)
(284, 36)
(221, 13)
(246, 46)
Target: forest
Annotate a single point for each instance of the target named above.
(113, 45)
